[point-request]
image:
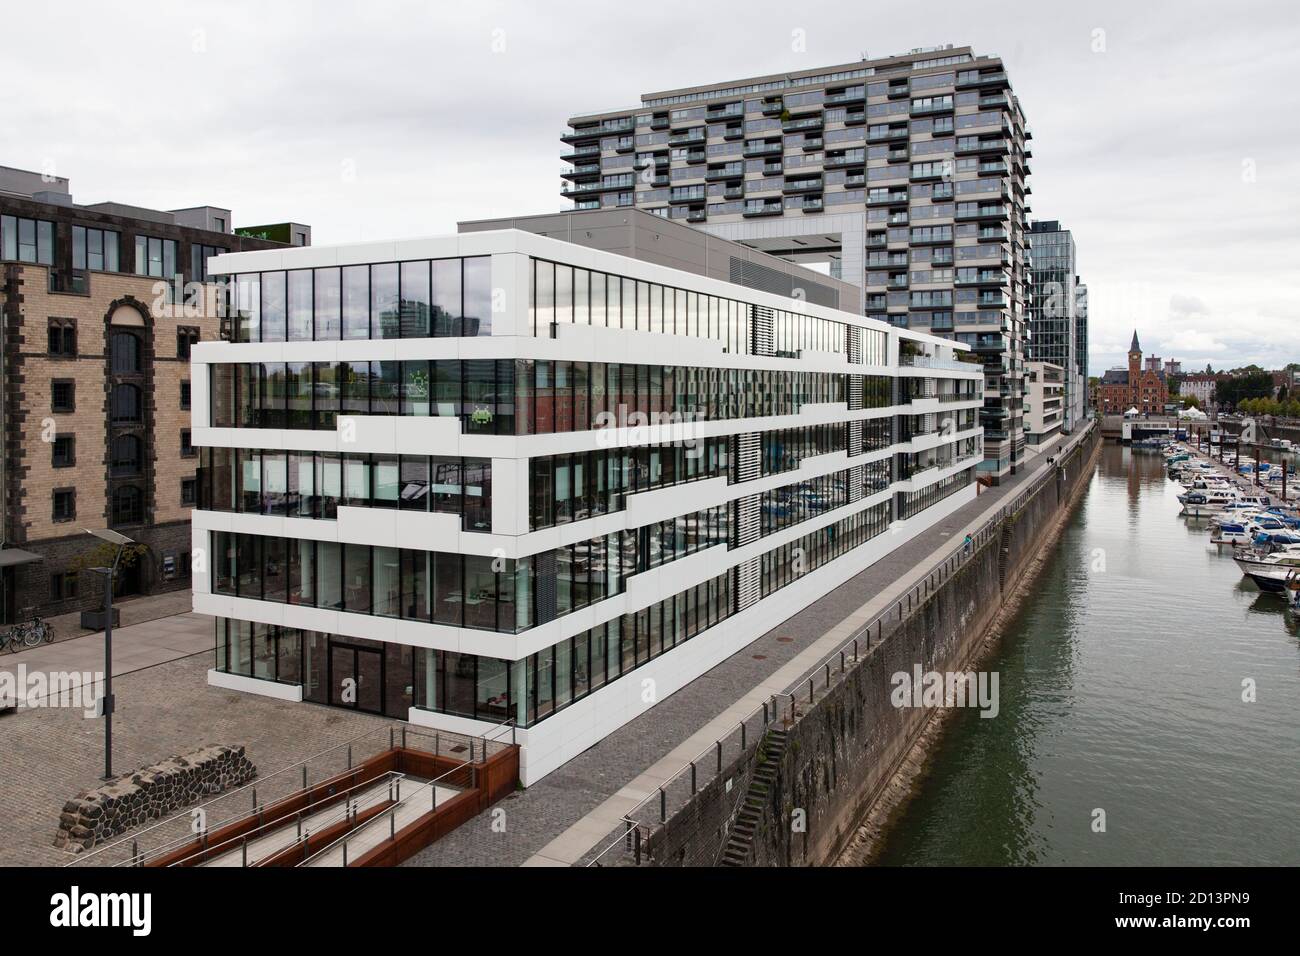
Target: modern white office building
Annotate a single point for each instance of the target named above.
(501, 477)
(1044, 404)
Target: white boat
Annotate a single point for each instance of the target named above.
(1206, 502)
(1271, 572)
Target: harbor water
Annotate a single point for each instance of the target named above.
(1121, 685)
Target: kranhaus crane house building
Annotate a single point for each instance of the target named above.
(499, 478)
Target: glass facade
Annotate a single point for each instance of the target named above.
(422, 298)
(314, 484)
(562, 294)
(513, 397)
(534, 688)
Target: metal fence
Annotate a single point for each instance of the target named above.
(190, 822)
(626, 843)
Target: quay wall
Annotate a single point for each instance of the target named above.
(845, 739)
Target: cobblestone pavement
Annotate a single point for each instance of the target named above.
(48, 755)
(537, 815)
(135, 610)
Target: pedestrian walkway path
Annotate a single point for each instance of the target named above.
(584, 800)
(135, 647)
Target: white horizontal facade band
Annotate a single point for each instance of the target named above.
(639, 591)
(510, 538)
(568, 732)
(507, 275)
(442, 435)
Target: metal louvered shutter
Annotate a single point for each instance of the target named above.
(763, 338)
(747, 578)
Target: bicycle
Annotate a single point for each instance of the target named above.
(31, 633)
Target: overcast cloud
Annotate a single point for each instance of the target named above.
(1172, 154)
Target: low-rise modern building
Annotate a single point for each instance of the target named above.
(1045, 404)
(503, 478)
(101, 304)
(906, 174)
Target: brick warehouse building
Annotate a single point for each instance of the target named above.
(1135, 387)
(95, 404)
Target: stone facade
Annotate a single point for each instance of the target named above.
(150, 794)
(113, 303)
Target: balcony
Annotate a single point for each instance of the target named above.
(806, 203)
(659, 121)
(801, 123)
(852, 157)
(973, 144)
(802, 185)
(899, 90)
(981, 211)
(753, 148)
(581, 133)
(969, 78)
(734, 133)
(763, 208)
(580, 152)
(900, 155)
(854, 94)
(590, 169)
(855, 118)
(729, 171)
(897, 198)
(812, 144)
(697, 135)
(879, 135)
(773, 107)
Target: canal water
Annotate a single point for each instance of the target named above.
(1121, 690)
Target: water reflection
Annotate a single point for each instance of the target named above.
(1121, 685)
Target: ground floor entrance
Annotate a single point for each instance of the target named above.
(358, 674)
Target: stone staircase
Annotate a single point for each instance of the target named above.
(740, 842)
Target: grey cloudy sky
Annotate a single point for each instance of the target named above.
(1167, 143)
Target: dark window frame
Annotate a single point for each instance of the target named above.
(67, 460)
(63, 407)
(63, 515)
(62, 338)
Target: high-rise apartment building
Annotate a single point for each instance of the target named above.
(906, 173)
(500, 477)
(1081, 345)
(100, 308)
(1057, 330)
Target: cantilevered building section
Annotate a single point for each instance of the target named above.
(1058, 331)
(907, 174)
(504, 478)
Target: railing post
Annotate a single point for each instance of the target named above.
(349, 756)
(304, 776)
(810, 691)
(663, 806)
(392, 825)
(855, 646)
(243, 852)
(841, 662)
(692, 776)
(403, 736)
(255, 799)
(345, 853)
(719, 756)
(742, 726)
(637, 843)
(828, 675)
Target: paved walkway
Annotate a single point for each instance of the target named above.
(584, 800)
(135, 647)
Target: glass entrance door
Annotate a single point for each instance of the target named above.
(356, 678)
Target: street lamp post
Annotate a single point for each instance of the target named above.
(121, 541)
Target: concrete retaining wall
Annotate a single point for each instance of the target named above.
(844, 748)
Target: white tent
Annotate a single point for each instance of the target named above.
(1192, 413)
(1132, 413)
